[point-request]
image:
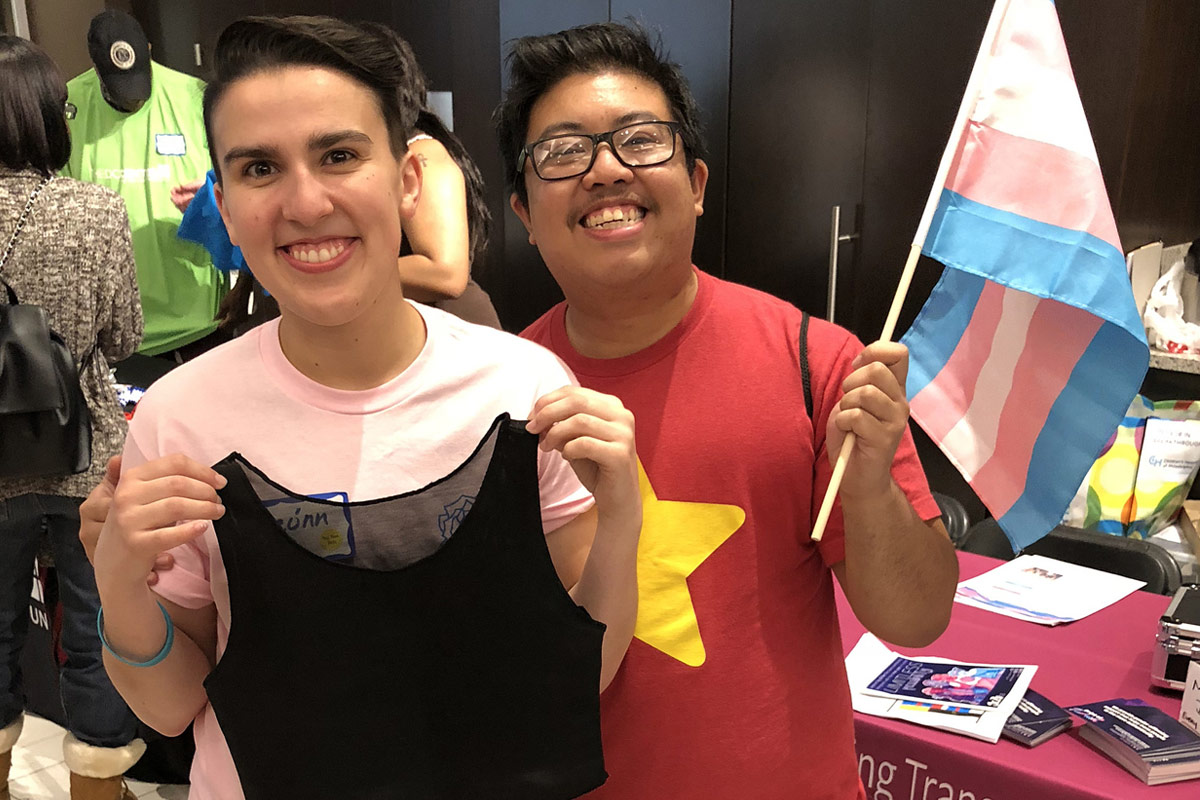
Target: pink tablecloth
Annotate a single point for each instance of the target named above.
(1104, 656)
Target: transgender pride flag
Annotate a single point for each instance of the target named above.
(1030, 348)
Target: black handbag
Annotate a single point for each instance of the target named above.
(45, 426)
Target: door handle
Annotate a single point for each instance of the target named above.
(836, 237)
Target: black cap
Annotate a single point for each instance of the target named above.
(121, 53)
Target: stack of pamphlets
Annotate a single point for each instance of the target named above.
(1035, 720)
(972, 699)
(1142, 739)
(1044, 590)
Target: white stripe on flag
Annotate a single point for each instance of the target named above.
(1028, 89)
(973, 438)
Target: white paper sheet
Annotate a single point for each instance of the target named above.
(1044, 590)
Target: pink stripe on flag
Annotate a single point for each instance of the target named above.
(1058, 336)
(945, 399)
(1039, 181)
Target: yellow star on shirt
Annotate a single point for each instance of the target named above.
(676, 538)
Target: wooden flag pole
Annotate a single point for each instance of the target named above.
(889, 327)
(914, 252)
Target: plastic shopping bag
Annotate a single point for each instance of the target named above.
(1166, 327)
(1142, 476)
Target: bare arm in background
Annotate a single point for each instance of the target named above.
(438, 234)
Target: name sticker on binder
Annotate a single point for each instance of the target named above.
(323, 529)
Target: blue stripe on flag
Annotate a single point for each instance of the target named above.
(1080, 423)
(936, 331)
(1072, 267)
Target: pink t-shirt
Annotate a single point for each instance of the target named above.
(403, 435)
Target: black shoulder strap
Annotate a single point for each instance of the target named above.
(804, 374)
(86, 361)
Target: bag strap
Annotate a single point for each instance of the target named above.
(12, 240)
(86, 360)
(805, 376)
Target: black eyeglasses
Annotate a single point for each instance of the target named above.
(570, 155)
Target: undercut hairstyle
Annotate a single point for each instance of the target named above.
(536, 64)
(372, 55)
(33, 96)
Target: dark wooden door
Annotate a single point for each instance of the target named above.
(797, 120)
(921, 56)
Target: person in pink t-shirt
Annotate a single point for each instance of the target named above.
(354, 391)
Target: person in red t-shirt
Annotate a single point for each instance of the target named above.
(734, 686)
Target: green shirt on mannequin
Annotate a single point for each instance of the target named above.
(141, 156)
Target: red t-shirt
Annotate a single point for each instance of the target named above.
(734, 686)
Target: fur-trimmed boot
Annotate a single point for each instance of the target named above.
(98, 773)
(8, 739)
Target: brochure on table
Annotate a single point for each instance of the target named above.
(1141, 738)
(1036, 720)
(1044, 590)
(951, 695)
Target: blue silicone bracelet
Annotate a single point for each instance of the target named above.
(166, 648)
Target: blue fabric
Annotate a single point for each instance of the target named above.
(95, 713)
(978, 243)
(1072, 267)
(202, 224)
(1079, 425)
(947, 313)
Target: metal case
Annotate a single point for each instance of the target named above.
(1178, 639)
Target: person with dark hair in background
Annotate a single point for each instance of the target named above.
(450, 229)
(734, 686)
(447, 234)
(137, 130)
(64, 245)
(418, 613)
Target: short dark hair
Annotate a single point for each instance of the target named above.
(33, 127)
(538, 63)
(373, 55)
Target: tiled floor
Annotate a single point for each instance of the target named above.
(38, 771)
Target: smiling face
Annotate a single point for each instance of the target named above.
(312, 193)
(614, 231)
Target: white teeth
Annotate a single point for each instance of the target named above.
(318, 255)
(613, 218)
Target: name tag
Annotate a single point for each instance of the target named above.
(1189, 712)
(323, 529)
(170, 144)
